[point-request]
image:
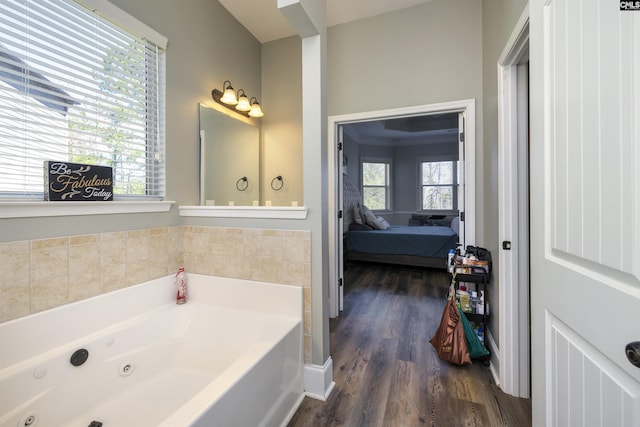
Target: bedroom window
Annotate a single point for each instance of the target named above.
(376, 184)
(439, 185)
(77, 87)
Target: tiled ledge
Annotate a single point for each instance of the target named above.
(45, 209)
(270, 212)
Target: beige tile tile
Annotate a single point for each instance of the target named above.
(272, 254)
(292, 273)
(158, 255)
(116, 235)
(114, 277)
(307, 299)
(14, 302)
(307, 323)
(272, 233)
(84, 239)
(176, 239)
(137, 245)
(49, 292)
(16, 246)
(295, 249)
(49, 243)
(160, 231)
(14, 269)
(89, 286)
(158, 246)
(113, 251)
(307, 349)
(270, 272)
(236, 267)
(137, 272)
(84, 271)
(50, 262)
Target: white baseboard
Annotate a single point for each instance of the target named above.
(318, 380)
(494, 367)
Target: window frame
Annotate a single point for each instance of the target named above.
(420, 187)
(389, 181)
(27, 205)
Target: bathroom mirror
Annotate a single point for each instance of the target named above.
(229, 159)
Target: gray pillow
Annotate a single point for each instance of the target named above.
(368, 216)
(357, 213)
(381, 223)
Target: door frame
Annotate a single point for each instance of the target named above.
(514, 323)
(334, 192)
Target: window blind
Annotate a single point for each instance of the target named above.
(76, 87)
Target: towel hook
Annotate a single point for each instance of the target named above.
(242, 183)
(277, 186)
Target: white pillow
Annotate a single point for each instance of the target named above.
(357, 215)
(368, 216)
(455, 225)
(381, 223)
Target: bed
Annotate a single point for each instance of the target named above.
(423, 246)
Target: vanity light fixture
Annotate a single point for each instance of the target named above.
(237, 101)
(243, 101)
(228, 95)
(255, 111)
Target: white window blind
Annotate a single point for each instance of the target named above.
(75, 87)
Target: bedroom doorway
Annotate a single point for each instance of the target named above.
(341, 166)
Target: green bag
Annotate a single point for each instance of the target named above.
(476, 349)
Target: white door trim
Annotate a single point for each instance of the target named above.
(514, 371)
(468, 106)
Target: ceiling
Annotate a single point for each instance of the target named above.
(414, 130)
(263, 19)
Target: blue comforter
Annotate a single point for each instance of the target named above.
(403, 240)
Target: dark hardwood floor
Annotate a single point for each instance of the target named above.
(386, 371)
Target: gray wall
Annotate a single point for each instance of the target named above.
(421, 55)
(282, 123)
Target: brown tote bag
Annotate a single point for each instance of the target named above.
(449, 339)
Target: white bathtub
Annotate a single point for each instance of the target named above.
(231, 356)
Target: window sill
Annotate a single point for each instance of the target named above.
(269, 212)
(47, 209)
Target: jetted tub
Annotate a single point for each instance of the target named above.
(230, 356)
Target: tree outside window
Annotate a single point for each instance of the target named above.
(439, 185)
(376, 184)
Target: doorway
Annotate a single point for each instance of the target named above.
(335, 178)
(514, 358)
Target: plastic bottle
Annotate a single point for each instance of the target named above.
(481, 334)
(450, 257)
(181, 286)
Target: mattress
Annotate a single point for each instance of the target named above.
(428, 241)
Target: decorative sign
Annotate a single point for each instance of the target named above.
(77, 182)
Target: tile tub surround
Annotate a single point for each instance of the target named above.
(40, 274)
